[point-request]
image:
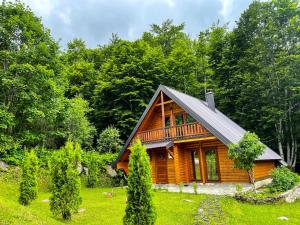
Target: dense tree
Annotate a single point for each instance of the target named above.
(140, 208)
(33, 85)
(48, 96)
(109, 141)
(65, 198)
(28, 185)
(263, 59)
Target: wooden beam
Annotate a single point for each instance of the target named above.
(162, 109)
(196, 139)
(166, 102)
(201, 165)
(177, 164)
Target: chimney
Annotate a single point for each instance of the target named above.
(209, 96)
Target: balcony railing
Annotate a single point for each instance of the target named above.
(173, 133)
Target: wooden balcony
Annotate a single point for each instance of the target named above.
(180, 132)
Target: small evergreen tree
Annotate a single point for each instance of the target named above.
(65, 197)
(93, 171)
(140, 209)
(246, 152)
(109, 140)
(28, 186)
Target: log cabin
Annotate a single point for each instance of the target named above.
(187, 141)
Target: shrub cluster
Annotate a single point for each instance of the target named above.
(28, 186)
(283, 180)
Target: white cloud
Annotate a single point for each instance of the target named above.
(44, 8)
(65, 16)
(226, 9)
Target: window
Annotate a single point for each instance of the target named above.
(190, 119)
(167, 121)
(179, 119)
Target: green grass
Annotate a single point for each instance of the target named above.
(171, 209)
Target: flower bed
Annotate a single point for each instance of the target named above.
(264, 197)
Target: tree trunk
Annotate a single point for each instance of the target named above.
(251, 178)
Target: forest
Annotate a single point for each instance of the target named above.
(50, 94)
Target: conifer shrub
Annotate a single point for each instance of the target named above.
(93, 170)
(65, 198)
(28, 185)
(139, 209)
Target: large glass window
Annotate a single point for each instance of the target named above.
(167, 121)
(211, 165)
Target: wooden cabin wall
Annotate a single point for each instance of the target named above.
(263, 169)
(123, 165)
(227, 172)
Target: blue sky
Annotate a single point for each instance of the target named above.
(95, 20)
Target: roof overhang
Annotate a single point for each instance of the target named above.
(162, 144)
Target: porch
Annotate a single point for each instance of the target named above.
(187, 162)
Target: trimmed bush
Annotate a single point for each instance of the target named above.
(28, 185)
(65, 198)
(93, 166)
(140, 209)
(283, 180)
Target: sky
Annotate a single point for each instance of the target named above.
(94, 21)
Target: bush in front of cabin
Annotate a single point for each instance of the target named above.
(246, 152)
(140, 209)
(28, 185)
(283, 179)
(65, 198)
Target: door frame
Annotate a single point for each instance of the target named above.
(193, 165)
(203, 150)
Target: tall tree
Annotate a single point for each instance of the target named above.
(139, 209)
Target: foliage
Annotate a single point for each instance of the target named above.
(103, 160)
(48, 95)
(140, 208)
(195, 186)
(65, 198)
(181, 185)
(28, 185)
(109, 141)
(283, 179)
(93, 170)
(76, 124)
(246, 152)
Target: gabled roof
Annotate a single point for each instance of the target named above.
(222, 127)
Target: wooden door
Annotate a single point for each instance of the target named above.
(161, 166)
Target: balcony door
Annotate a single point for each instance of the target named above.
(211, 165)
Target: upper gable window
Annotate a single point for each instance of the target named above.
(167, 121)
(179, 120)
(190, 119)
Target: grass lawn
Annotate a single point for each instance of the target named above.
(171, 209)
